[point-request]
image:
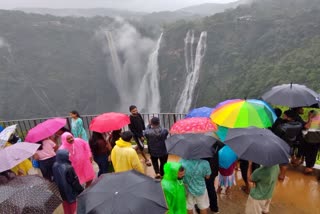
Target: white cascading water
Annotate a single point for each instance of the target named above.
(193, 70)
(119, 77)
(149, 91)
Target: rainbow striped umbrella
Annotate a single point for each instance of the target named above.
(243, 113)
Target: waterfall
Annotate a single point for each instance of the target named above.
(118, 75)
(149, 91)
(193, 67)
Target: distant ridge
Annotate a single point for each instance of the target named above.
(212, 8)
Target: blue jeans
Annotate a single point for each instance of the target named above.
(103, 164)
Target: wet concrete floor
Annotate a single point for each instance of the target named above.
(297, 194)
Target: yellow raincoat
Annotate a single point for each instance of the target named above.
(125, 158)
(22, 167)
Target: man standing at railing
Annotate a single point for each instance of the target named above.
(137, 126)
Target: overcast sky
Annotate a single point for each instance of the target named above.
(136, 5)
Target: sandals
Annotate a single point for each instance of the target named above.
(245, 189)
(308, 171)
(148, 163)
(158, 177)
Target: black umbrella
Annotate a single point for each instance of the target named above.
(258, 145)
(191, 146)
(291, 95)
(123, 193)
(29, 194)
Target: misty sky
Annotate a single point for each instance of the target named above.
(136, 5)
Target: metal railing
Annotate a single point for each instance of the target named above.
(24, 125)
(166, 121)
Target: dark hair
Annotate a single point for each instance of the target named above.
(96, 136)
(290, 113)
(278, 112)
(155, 121)
(13, 139)
(93, 141)
(64, 129)
(115, 135)
(132, 107)
(126, 136)
(75, 112)
(296, 109)
(181, 169)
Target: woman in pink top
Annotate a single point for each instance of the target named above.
(46, 155)
(80, 157)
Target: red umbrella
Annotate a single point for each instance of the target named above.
(193, 125)
(45, 129)
(109, 121)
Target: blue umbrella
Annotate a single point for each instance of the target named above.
(200, 112)
(226, 157)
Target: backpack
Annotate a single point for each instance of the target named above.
(289, 131)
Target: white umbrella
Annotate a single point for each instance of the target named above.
(13, 155)
(6, 133)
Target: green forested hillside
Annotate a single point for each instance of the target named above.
(249, 50)
(50, 65)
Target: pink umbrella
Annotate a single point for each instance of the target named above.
(109, 121)
(45, 129)
(193, 125)
(13, 155)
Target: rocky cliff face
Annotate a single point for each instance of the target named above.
(249, 50)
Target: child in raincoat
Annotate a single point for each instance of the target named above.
(226, 178)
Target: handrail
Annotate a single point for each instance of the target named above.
(23, 125)
(166, 120)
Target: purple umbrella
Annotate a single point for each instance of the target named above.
(13, 155)
(45, 129)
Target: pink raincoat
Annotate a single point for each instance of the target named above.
(79, 155)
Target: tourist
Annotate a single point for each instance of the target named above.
(244, 169)
(57, 136)
(312, 143)
(263, 182)
(278, 121)
(113, 137)
(100, 149)
(137, 126)
(67, 181)
(196, 171)
(123, 156)
(214, 165)
(156, 137)
(226, 178)
(46, 155)
(23, 167)
(77, 128)
(288, 130)
(299, 155)
(173, 188)
(80, 157)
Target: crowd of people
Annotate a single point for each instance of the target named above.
(66, 158)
